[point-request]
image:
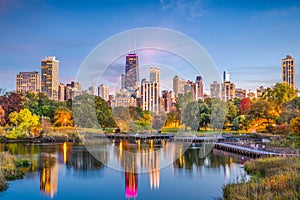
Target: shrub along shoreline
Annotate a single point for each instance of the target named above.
(274, 178)
(10, 169)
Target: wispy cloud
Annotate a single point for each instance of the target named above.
(189, 9)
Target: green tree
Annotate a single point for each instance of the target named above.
(279, 94)
(84, 111)
(26, 124)
(191, 115)
(158, 121)
(231, 112)
(173, 118)
(290, 109)
(260, 110)
(104, 113)
(204, 110)
(238, 123)
(218, 113)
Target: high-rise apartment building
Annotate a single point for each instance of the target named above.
(289, 71)
(167, 100)
(132, 71)
(199, 84)
(228, 90)
(73, 89)
(226, 76)
(103, 92)
(50, 77)
(193, 88)
(150, 96)
(154, 75)
(61, 92)
(240, 93)
(28, 82)
(215, 90)
(178, 85)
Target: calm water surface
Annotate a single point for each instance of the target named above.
(69, 171)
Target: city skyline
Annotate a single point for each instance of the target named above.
(251, 48)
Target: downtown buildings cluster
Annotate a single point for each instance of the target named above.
(143, 93)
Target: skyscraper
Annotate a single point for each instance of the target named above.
(199, 84)
(122, 81)
(226, 76)
(178, 85)
(103, 92)
(228, 90)
(215, 90)
(131, 71)
(154, 75)
(49, 77)
(150, 96)
(288, 71)
(28, 82)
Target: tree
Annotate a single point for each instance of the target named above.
(290, 109)
(92, 112)
(2, 116)
(238, 123)
(231, 112)
(245, 105)
(84, 111)
(26, 124)
(218, 113)
(104, 113)
(204, 110)
(280, 94)
(191, 115)
(260, 110)
(158, 121)
(63, 117)
(11, 102)
(173, 118)
(41, 105)
(295, 125)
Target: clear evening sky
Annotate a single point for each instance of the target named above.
(249, 38)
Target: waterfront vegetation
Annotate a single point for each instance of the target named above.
(276, 112)
(10, 169)
(271, 178)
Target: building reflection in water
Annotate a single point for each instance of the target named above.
(142, 157)
(48, 173)
(131, 184)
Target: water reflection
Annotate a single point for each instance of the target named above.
(76, 161)
(48, 173)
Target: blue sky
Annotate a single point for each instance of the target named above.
(249, 38)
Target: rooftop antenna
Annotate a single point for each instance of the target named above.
(134, 51)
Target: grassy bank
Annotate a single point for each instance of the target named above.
(10, 169)
(272, 178)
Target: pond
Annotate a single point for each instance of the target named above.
(70, 171)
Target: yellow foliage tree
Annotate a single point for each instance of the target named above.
(63, 117)
(25, 124)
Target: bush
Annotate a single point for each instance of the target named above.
(282, 129)
(272, 178)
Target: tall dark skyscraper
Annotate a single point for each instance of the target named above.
(131, 71)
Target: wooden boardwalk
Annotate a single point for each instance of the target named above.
(251, 152)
